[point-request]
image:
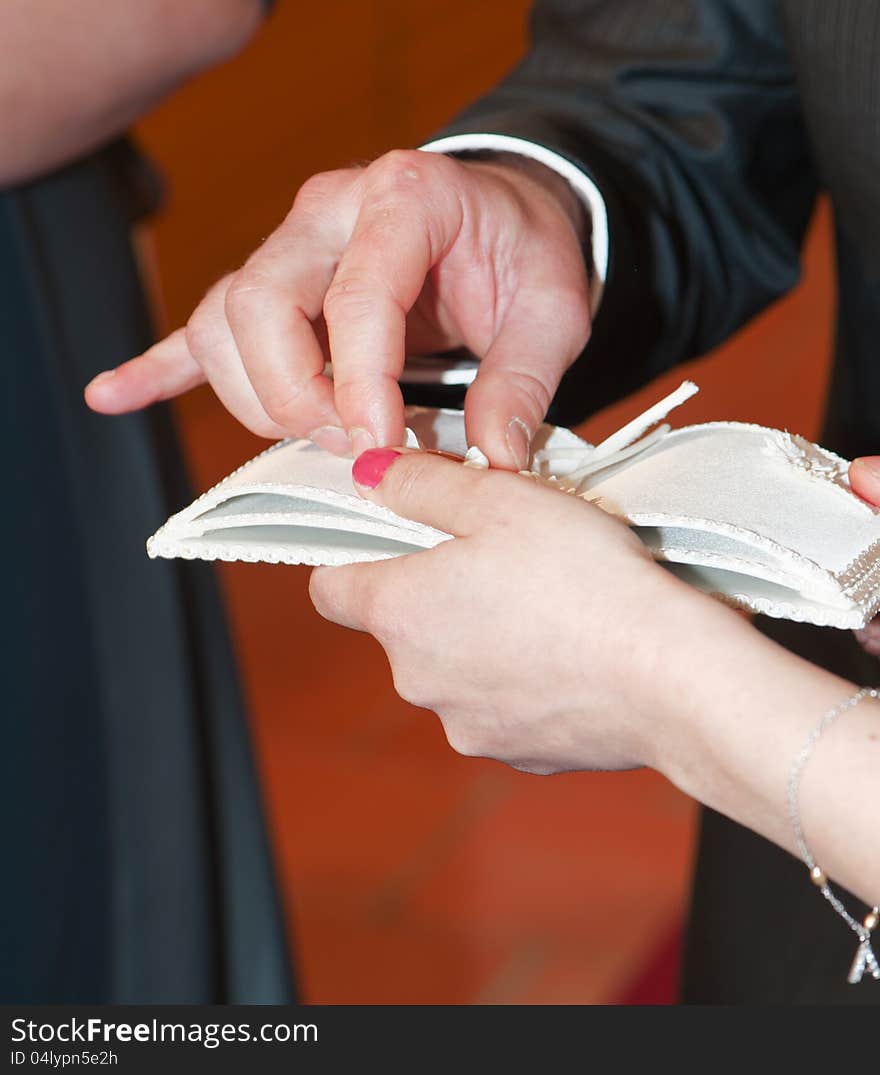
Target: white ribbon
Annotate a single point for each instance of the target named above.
(574, 466)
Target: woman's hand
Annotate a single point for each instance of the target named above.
(545, 637)
(520, 634)
(417, 252)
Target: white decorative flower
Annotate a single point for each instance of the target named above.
(807, 457)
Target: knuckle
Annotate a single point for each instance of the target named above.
(264, 426)
(195, 336)
(409, 686)
(461, 738)
(410, 476)
(202, 332)
(315, 189)
(350, 295)
(336, 298)
(319, 591)
(319, 189)
(399, 166)
(282, 406)
(360, 391)
(245, 297)
(532, 389)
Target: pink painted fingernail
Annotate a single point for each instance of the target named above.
(371, 465)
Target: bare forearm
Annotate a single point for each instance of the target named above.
(75, 75)
(747, 707)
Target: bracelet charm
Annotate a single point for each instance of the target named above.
(865, 961)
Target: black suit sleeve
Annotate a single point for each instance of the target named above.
(686, 115)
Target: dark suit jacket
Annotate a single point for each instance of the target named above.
(709, 126)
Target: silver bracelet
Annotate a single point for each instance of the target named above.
(865, 960)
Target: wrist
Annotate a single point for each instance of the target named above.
(684, 660)
(737, 708)
(529, 178)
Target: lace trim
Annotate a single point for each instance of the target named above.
(782, 610)
(255, 554)
(860, 579)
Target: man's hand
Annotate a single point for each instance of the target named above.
(416, 253)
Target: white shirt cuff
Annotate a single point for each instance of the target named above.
(581, 183)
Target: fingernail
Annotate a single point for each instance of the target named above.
(105, 376)
(332, 439)
(362, 440)
(371, 465)
(871, 463)
(519, 441)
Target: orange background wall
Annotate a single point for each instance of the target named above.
(410, 874)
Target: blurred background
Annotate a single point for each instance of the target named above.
(410, 874)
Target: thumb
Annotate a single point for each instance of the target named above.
(428, 487)
(519, 375)
(864, 477)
